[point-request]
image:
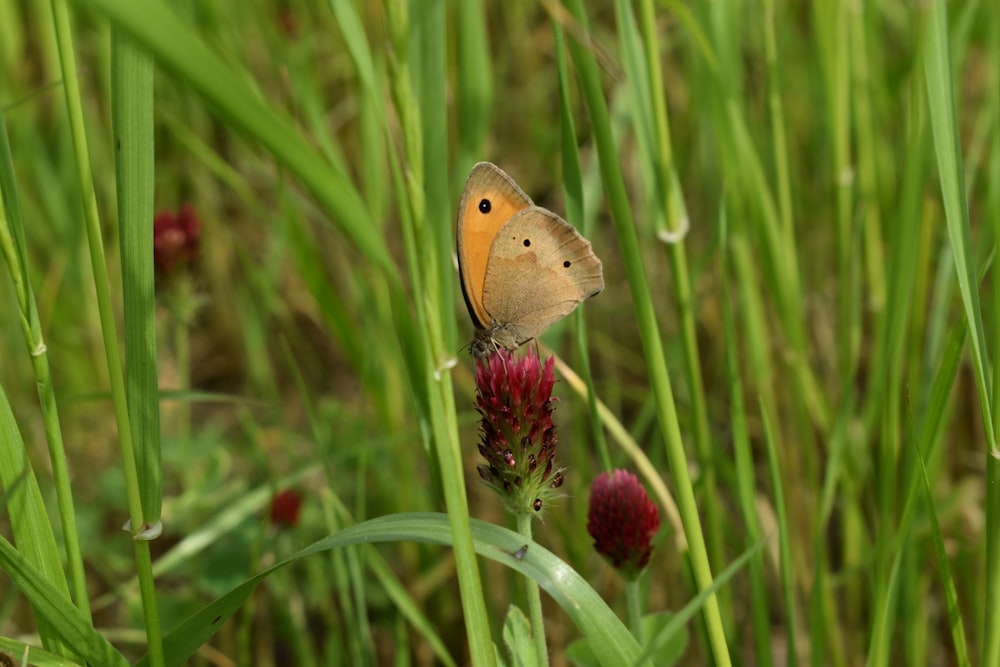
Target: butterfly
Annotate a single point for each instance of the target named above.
(522, 267)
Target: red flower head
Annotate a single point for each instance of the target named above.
(514, 397)
(175, 239)
(285, 508)
(288, 24)
(622, 520)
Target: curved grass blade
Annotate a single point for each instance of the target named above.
(612, 641)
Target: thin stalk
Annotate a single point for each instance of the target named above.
(429, 40)
(633, 605)
(475, 81)
(868, 143)
(430, 375)
(844, 176)
(944, 570)
(675, 212)
(781, 265)
(444, 433)
(991, 617)
(109, 330)
(575, 211)
(649, 333)
(534, 597)
(11, 229)
(25, 508)
(745, 479)
(784, 538)
(991, 620)
(778, 136)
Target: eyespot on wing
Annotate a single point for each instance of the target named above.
(490, 199)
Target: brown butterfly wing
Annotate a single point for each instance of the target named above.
(539, 270)
(489, 200)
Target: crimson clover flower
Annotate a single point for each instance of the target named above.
(518, 439)
(175, 239)
(622, 520)
(285, 508)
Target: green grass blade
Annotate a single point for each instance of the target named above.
(353, 32)
(572, 180)
(174, 45)
(29, 521)
(902, 262)
(941, 100)
(649, 333)
(746, 174)
(109, 328)
(991, 622)
(428, 39)
(671, 209)
(132, 117)
(407, 607)
(944, 568)
(784, 540)
(745, 478)
(934, 410)
(475, 83)
(14, 248)
(611, 640)
(429, 348)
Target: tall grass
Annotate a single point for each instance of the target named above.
(806, 387)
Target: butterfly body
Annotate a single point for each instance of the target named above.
(522, 266)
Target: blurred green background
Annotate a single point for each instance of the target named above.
(286, 357)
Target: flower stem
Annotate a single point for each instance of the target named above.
(534, 598)
(633, 600)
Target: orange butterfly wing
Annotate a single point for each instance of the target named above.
(489, 200)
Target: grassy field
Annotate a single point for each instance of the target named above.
(796, 206)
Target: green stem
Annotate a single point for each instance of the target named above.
(837, 56)
(109, 330)
(61, 478)
(745, 477)
(428, 370)
(35, 343)
(633, 603)
(991, 620)
(674, 209)
(590, 81)
(573, 195)
(777, 116)
(534, 597)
